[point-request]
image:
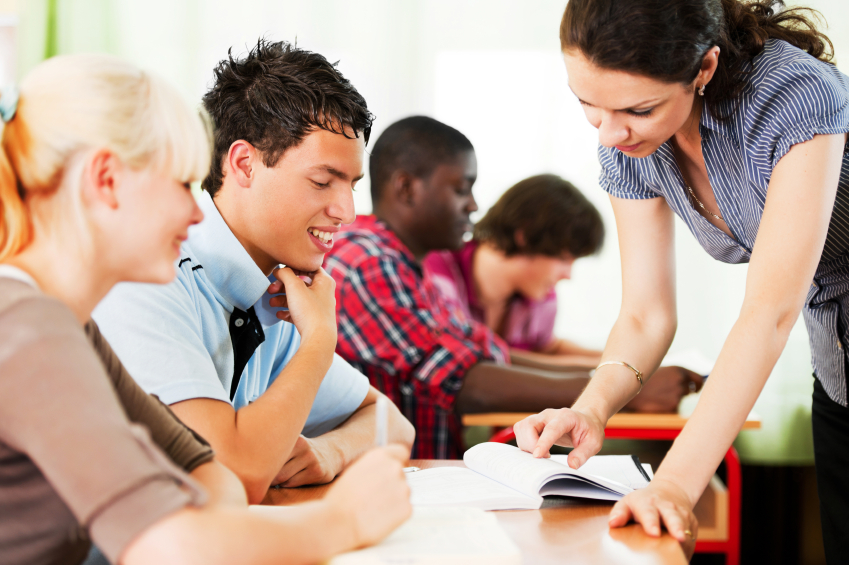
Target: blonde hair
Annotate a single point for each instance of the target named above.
(74, 103)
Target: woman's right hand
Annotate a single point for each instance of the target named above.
(372, 494)
(568, 428)
(311, 303)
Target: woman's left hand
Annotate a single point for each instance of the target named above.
(662, 503)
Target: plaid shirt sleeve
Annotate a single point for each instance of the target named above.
(389, 317)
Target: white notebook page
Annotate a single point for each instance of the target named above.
(458, 486)
(441, 536)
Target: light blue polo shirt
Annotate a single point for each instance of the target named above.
(175, 342)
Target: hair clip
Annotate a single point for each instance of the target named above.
(9, 102)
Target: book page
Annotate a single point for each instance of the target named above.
(455, 486)
(511, 466)
(575, 486)
(618, 468)
(518, 469)
(441, 536)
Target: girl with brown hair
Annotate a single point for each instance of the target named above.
(730, 115)
(505, 276)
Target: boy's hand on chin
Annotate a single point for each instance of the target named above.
(311, 300)
(279, 300)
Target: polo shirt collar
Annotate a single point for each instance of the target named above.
(226, 264)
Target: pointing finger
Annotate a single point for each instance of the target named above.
(526, 432)
(555, 428)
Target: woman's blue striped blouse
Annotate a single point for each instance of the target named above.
(789, 97)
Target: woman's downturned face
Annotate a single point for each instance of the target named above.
(633, 113)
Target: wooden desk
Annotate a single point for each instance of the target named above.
(618, 421)
(718, 511)
(563, 530)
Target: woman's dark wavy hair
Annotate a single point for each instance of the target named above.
(667, 39)
(273, 97)
(553, 216)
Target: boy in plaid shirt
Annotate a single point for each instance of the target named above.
(434, 363)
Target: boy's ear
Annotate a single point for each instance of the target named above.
(404, 187)
(102, 174)
(242, 158)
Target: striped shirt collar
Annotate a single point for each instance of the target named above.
(723, 127)
(226, 264)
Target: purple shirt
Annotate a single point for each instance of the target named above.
(528, 325)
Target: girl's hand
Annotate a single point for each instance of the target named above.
(372, 494)
(311, 301)
(662, 503)
(569, 428)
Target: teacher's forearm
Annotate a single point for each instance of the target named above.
(745, 362)
(640, 341)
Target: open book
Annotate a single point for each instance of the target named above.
(503, 477)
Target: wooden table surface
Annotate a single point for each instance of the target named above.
(621, 421)
(564, 530)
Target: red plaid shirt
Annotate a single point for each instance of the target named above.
(395, 329)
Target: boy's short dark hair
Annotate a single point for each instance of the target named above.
(417, 144)
(552, 215)
(273, 98)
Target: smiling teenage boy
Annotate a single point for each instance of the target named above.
(275, 403)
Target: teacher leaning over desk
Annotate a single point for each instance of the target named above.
(730, 115)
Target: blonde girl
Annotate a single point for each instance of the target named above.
(96, 161)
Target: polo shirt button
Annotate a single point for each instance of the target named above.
(239, 322)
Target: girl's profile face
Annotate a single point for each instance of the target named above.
(542, 272)
(633, 113)
(152, 221)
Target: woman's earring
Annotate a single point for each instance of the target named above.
(702, 90)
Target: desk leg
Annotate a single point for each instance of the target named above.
(735, 499)
(730, 548)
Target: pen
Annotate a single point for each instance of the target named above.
(380, 422)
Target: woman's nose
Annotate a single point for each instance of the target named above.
(612, 131)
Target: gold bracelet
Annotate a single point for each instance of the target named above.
(624, 364)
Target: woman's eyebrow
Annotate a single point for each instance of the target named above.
(641, 105)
